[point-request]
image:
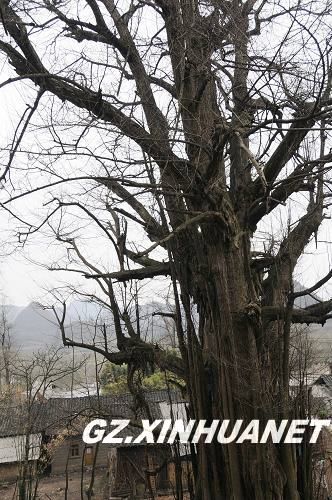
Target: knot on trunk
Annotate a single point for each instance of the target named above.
(253, 312)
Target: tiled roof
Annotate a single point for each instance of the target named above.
(325, 380)
(52, 415)
(13, 419)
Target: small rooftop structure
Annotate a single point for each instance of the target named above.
(325, 380)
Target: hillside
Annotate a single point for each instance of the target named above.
(34, 328)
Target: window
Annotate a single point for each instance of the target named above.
(74, 450)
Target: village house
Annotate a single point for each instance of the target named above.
(322, 455)
(322, 389)
(54, 429)
(317, 390)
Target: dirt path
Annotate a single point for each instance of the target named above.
(53, 487)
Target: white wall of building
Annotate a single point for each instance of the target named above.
(12, 448)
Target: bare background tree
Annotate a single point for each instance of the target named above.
(188, 139)
(32, 377)
(6, 353)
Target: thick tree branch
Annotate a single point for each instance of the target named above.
(288, 146)
(291, 248)
(162, 269)
(318, 313)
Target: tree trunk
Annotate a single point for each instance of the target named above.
(227, 374)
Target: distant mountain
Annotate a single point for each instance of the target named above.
(12, 311)
(78, 310)
(305, 300)
(34, 328)
(321, 336)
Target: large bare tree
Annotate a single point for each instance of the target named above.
(185, 130)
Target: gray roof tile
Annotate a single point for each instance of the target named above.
(52, 415)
